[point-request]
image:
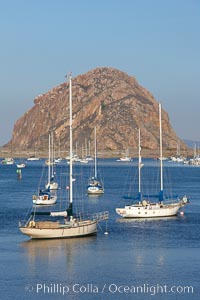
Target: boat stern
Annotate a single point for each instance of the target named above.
(92, 190)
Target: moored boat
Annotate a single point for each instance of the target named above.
(145, 208)
(8, 161)
(95, 186)
(69, 224)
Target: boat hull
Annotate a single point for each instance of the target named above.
(33, 158)
(125, 159)
(21, 166)
(42, 200)
(92, 190)
(8, 161)
(53, 230)
(150, 211)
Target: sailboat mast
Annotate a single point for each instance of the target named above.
(52, 155)
(161, 155)
(139, 164)
(95, 154)
(49, 163)
(70, 136)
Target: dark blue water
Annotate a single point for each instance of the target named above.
(138, 259)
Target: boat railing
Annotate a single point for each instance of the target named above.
(170, 200)
(100, 216)
(25, 222)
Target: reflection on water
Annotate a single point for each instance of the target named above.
(140, 260)
(143, 220)
(53, 250)
(50, 247)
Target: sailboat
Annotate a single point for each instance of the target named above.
(71, 226)
(47, 196)
(146, 209)
(95, 187)
(33, 157)
(20, 165)
(51, 184)
(8, 161)
(125, 158)
(44, 197)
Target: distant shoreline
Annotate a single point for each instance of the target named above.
(101, 153)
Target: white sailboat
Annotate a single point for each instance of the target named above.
(44, 197)
(83, 159)
(33, 157)
(8, 161)
(20, 165)
(52, 185)
(125, 158)
(146, 209)
(95, 186)
(70, 226)
(47, 196)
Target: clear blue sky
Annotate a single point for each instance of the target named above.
(156, 41)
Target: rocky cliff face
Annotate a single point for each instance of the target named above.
(104, 97)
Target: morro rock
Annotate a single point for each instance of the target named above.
(105, 97)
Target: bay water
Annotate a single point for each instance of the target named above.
(137, 259)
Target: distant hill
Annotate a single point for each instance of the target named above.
(105, 97)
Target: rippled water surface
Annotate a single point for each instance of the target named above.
(138, 259)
